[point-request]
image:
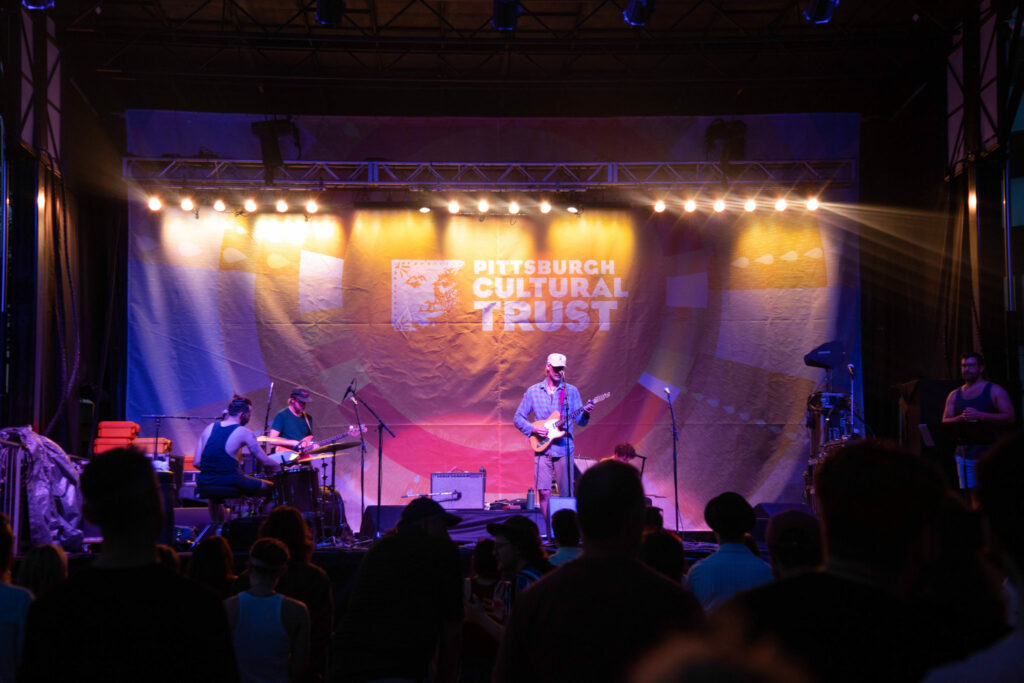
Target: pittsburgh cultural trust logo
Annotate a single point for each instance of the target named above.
(525, 294)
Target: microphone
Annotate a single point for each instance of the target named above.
(350, 389)
(851, 369)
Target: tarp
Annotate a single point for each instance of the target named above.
(445, 320)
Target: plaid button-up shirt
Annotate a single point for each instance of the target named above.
(541, 404)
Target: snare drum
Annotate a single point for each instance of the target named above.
(297, 488)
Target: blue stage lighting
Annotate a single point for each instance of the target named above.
(638, 12)
(37, 4)
(505, 14)
(820, 11)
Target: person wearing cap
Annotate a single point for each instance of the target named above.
(406, 603)
(732, 568)
(293, 422)
(521, 560)
(552, 394)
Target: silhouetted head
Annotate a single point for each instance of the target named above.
(730, 516)
(286, 524)
(121, 494)
(610, 506)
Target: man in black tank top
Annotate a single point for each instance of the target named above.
(216, 457)
(978, 400)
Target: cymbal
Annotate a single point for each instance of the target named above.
(333, 447)
(276, 440)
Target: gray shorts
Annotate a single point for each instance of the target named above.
(545, 468)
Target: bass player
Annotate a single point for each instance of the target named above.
(552, 395)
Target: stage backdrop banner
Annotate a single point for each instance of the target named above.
(443, 321)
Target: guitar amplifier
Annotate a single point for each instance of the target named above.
(458, 490)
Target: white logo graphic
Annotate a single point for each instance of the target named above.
(422, 291)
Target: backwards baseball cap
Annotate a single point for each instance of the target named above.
(556, 360)
(424, 508)
(300, 394)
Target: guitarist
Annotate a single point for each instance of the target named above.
(542, 399)
(293, 422)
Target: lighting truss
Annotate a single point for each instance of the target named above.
(198, 174)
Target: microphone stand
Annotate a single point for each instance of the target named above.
(381, 428)
(362, 459)
(675, 453)
(568, 442)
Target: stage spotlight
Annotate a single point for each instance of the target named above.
(311, 206)
(780, 204)
(505, 15)
(513, 208)
(972, 201)
(689, 206)
(424, 209)
(453, 206)
(187, 204)
(638, 12)
(281, 206)
(37, 4)
(812, 204)
(659, 205)
(719, 205)
(155, 204)
(572, 208)
(250, 205)
(482, 206)
(820, 11)
(41, 200)
(750, 205)
(329, 12)
(219, 205)
(545, 207)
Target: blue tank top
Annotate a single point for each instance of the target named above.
(262, 645)
(215, 458)
(982, 402)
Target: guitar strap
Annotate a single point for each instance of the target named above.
(309, 426)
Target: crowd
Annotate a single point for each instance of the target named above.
(898, 580)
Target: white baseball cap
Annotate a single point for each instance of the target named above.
(556, 360)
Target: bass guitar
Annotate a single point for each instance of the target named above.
(556, 424)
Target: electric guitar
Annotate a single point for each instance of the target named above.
(301, 448)
(555, 424)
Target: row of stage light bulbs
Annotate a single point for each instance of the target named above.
(250, 206)
(483, 206)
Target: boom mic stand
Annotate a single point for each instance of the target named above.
(675, 453)
(381, 428)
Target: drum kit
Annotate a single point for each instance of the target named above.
(830, 414)
(296, 484)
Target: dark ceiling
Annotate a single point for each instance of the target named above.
(426, 57)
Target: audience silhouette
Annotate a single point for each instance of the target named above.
(127, 618)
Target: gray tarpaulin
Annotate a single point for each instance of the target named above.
(50, 484)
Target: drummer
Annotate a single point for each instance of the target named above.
(293, 422)
(217, 457)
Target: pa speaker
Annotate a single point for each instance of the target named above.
(389, 516)
(458, 490)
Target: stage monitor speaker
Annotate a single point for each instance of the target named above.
(458, 490)
(765, 511)
(556, 503)
(389, 516)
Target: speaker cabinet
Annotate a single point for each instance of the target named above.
(458, 490)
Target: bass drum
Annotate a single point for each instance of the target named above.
(332, 514)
